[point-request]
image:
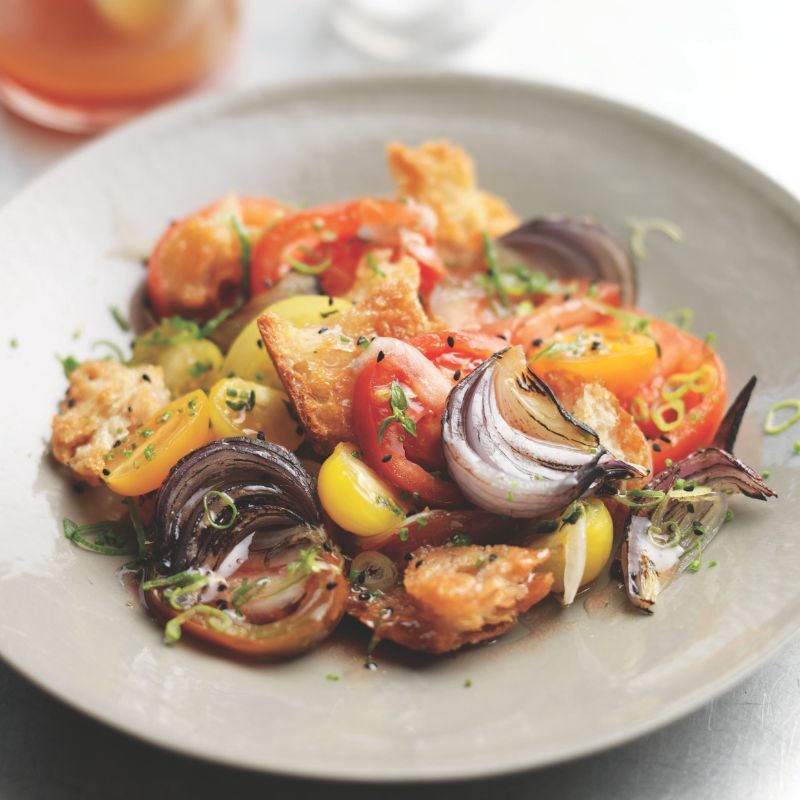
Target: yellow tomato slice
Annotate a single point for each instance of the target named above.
(242, 408)
(248, 358)
(599, 539)
(618, 359)
(355, 496)
(142, 461)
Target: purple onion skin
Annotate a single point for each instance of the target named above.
(571, 248)
(728, 430)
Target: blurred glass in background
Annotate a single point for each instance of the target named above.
(403, 30)
(82, 65)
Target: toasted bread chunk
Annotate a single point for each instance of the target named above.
(316, 364)
(442, 176)
(595, 405)
(104, 400)
(454, 596)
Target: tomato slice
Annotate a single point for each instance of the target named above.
(332, 239)
(457, 353)
(680, 404)
(195, 269)
(555, 315)
(140, 463)
(398, 402)
(619, 359)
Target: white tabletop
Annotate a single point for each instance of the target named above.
(725, 68)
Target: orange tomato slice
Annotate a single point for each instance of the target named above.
(618, 359)
(140, 463)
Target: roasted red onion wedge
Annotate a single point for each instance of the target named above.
(242, 557)
(566, 247)
(680, 512)
(511, 447)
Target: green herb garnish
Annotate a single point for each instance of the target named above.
(398, 402)
(123, 323)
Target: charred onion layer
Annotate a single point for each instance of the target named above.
(242, 558)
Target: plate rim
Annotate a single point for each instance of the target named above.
(220, 102)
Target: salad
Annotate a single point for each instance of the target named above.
(417, 411)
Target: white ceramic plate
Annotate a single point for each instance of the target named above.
(564, 683)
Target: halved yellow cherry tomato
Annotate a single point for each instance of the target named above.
(599, 539)
(242, 408)
(621, 360)
(248, 358)
(140, 463)
(355, 496)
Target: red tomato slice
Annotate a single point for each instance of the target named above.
(195, 269)
(390, 449)
(334, 238)
(556, 314)
(457, 353)
(668, 397)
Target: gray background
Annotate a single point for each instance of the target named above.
(725, 69)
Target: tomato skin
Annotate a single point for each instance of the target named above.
(467, 351)
(332, 233)
(195, 268)
(157, 445)
(552, 316)
(391, 456)
(681, 353)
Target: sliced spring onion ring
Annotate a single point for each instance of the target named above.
(641, 227)
(772, 426)
(677, 405)
(212, 518)
(374, 571)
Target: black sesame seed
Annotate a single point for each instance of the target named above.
(419, 563)
(387, 458)
(330, 586)
(261, 436)
(299, 430)
(259, 344)
(117, 443)
(70, 403)
(657, 447)
(596, 345)
(457, 375)
(690, 508)
(327, 547)
(330, 301)
(130, 409)
(381, 356)
(408, 557)
(222, 604)
(665, 438)
(493, 557)
(364, 596)
(146, 377)
(106, 471)
(322, 330)
(221, 587)
(537, 342)
(502, 336)
(451, 342)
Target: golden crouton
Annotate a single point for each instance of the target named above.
(315, 364)
(104, 400)
(596, 406)
(442, 176)
(453, 596)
